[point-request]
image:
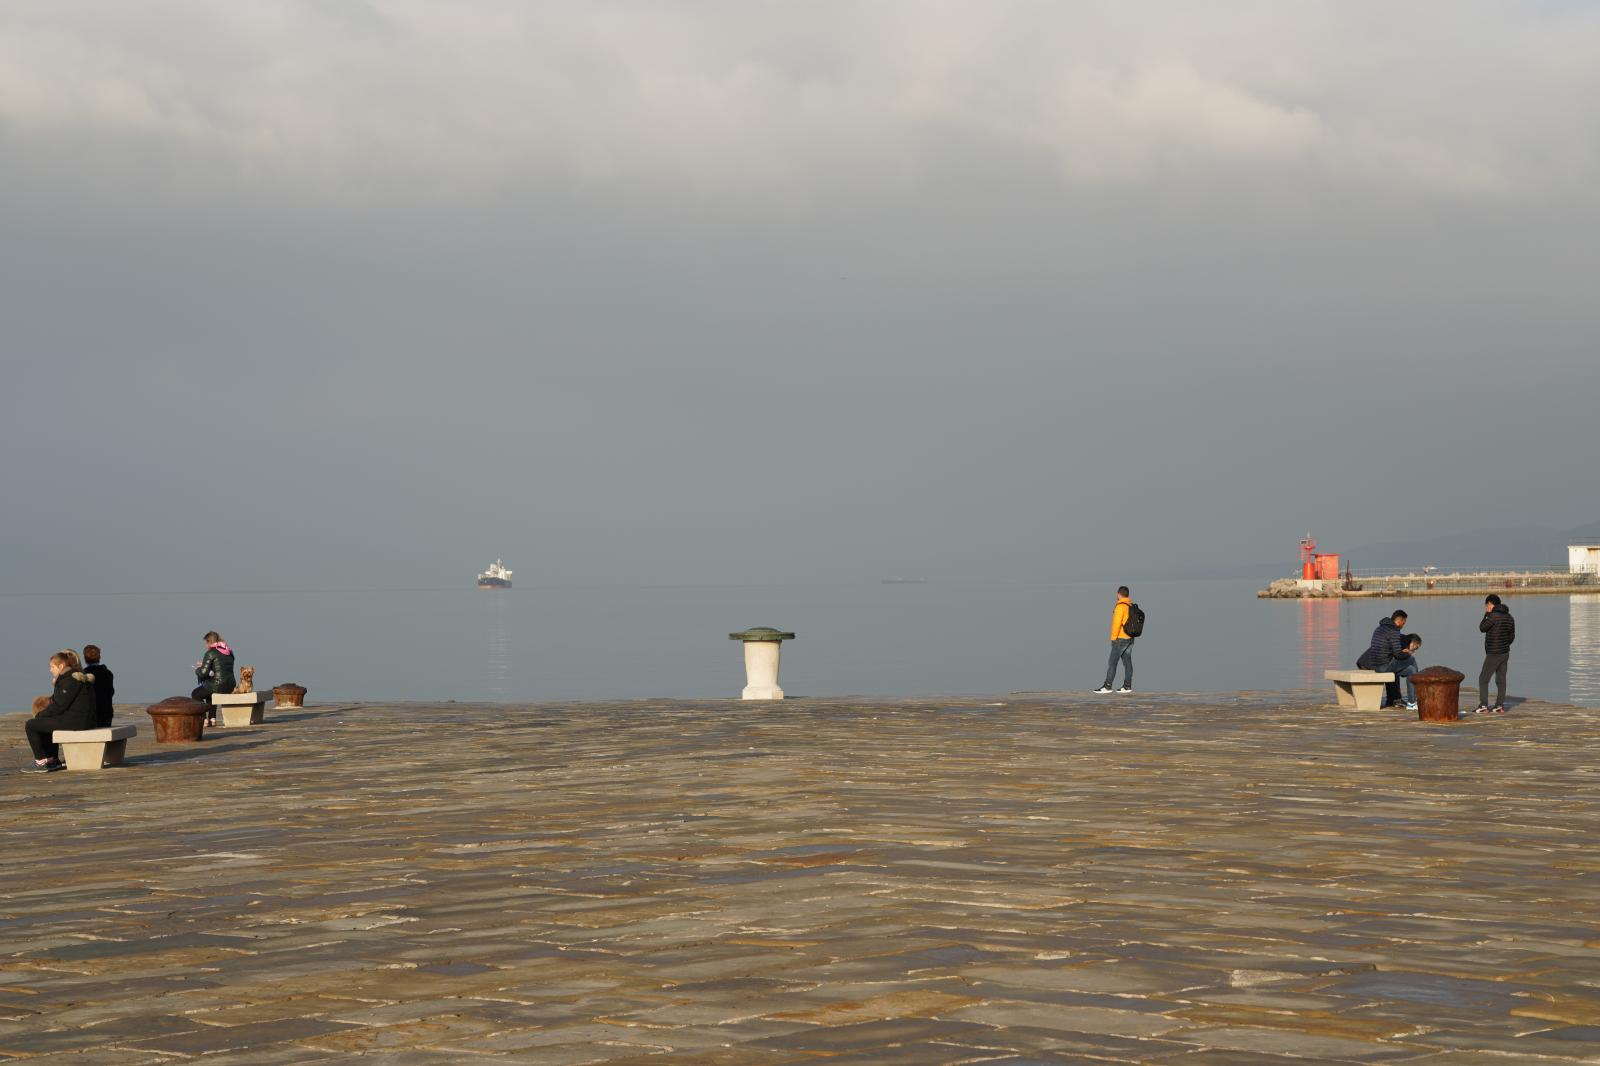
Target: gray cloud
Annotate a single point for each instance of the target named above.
(997, 289)
(350, 100)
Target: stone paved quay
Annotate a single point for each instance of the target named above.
(1023, 879)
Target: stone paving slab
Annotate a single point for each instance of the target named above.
(1037, 878)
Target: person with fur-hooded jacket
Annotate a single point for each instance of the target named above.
(72, 706)
(214, 671)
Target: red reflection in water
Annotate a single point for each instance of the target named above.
(1319, 640)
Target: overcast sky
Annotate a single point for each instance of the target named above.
(367, 292)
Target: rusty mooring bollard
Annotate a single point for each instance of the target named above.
(1438, 693)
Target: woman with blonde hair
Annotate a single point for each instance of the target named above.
(214, 671)
(71, 706)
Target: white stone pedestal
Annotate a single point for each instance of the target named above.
(762, 648)
(761, 670)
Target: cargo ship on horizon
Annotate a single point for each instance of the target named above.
(496, 577)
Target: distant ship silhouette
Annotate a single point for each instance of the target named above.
(496, 577)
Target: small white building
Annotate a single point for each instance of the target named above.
(1583, 558)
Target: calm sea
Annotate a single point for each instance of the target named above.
(534, 643)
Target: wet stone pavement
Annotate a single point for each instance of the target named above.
(1023, 879)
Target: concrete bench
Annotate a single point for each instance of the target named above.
(1361, 689)
(90, 749)
(241, 708)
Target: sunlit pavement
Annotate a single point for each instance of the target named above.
(1028, 878)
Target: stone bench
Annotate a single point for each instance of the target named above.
(241, 708)
(1361, 689)
(90, 749)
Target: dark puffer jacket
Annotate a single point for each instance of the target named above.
(1499, 630)
(104, 692)
(215, 671)
(72, 703)
(1387, 644)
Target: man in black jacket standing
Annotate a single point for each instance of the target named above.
(103, 690)
(1499, 630)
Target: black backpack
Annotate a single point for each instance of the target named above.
(1134, 626)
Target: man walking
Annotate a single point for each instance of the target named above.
(1121, 644)
(1388, 644)
(1499, 630)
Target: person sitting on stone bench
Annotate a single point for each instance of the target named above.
(1385, 647)
(1403, 665)
(71, 707)
(214, 672)
(104, 690)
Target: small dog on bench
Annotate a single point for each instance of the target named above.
(247, 680)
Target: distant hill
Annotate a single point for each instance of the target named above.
(1489, 549)
(1589, 534)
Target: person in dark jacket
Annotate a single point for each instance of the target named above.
(103, 687)
(1404, 665)
(71, 706)
(1388, 644)
(214, 671)
(1499, 630)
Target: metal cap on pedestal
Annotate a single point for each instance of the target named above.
(762, 635)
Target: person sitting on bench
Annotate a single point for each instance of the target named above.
(1386, 644)
(1403, 665)
(71, 706)
(104, 689)
(214, 672)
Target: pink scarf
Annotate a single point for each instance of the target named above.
(222, 647)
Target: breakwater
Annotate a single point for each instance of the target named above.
(1424, 583)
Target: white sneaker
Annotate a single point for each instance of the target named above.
(1104, 688)
(1411, 706)
(1124, 690)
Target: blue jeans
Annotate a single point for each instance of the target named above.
(1402, 669)
(1121, 650)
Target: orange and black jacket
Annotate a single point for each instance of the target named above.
(1119, 618)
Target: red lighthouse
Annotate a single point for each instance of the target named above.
(1315, 565)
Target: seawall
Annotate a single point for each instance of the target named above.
(1517, 582)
